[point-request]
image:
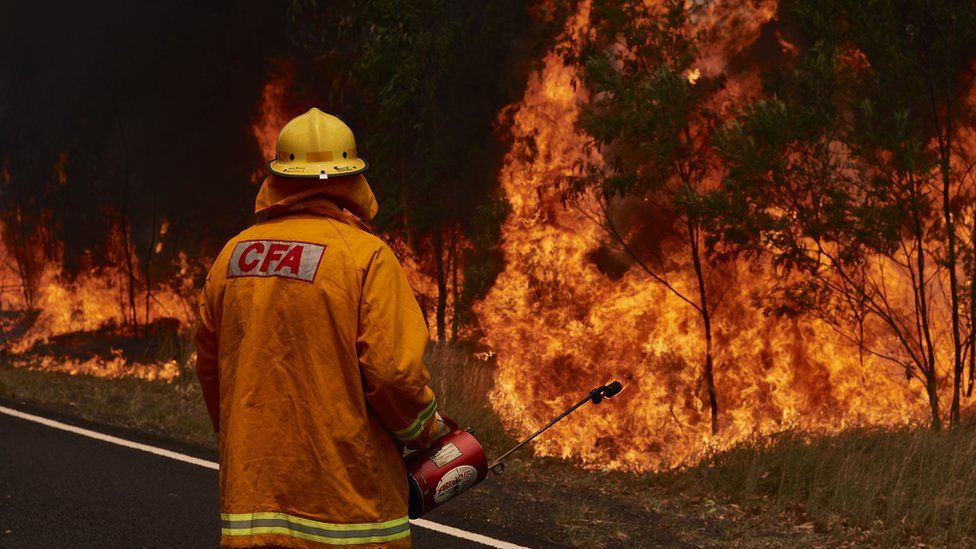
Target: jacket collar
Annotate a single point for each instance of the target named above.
(278, 194)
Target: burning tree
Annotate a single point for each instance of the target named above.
(651, 119)
(857, 180)
(628, 111)
(571, 307)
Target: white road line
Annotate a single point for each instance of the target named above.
(422, 523)
(470, 536)
(109, 438)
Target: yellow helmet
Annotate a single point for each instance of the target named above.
(316, 145)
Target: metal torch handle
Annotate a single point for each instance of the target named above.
(596, 395)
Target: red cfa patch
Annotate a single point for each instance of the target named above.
(298, 260)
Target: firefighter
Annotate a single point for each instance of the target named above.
(310, 353)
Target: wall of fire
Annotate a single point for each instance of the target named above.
(132, 139)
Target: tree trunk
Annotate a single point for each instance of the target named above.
(422, 301)
(129, 268)
(127, 249)
(957, 364)
(928, 369)
(710, 377)
(972, 313)
(932, 389)
(3, 333)
(149, 256)
(405, 196)
(23, 260)
(950, 225)
(455, 319)
(441, 284)
(706, 321)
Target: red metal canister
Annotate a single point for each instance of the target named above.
(453, 464)
(457, 462)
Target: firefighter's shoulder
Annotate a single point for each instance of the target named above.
(362, 245)
(220, 262)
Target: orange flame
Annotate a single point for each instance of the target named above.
(92, 301)
(559, 326)
(115, 368)
(272, 114)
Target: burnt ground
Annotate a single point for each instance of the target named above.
(158, 341)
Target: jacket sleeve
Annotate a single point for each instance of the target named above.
(391, 341)
(206, 344)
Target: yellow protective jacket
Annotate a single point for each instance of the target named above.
(309, 351)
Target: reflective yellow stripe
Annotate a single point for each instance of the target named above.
(279, 530)
(414, 429)
(274, 523)
(310, 522)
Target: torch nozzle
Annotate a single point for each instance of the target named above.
(609, 390)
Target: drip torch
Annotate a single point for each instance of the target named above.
(456, 462)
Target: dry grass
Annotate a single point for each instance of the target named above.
(174, 410)
(462, 384)
(874, 487)
(897, 486)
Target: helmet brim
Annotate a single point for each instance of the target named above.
(316, 170)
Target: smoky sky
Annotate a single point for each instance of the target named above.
(151, 105)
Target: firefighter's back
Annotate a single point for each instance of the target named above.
(299, 444)
(310, 349)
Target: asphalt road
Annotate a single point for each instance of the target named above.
(60, 489)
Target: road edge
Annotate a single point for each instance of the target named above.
(7, 408)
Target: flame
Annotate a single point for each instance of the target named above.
(272, 114)
(786, 45)
(163, 229)
(115, 368)
(90, 302)
(423, 280)
(558, 326)
(60, 167)
(554, 322)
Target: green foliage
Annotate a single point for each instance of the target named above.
(646, 117)
(423, 79)
(842, 155)
(484, 261)
(651, 123)
(429, 71)
(850, 171)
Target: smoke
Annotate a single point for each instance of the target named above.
(148, 105)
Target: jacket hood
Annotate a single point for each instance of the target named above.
(278, 194)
